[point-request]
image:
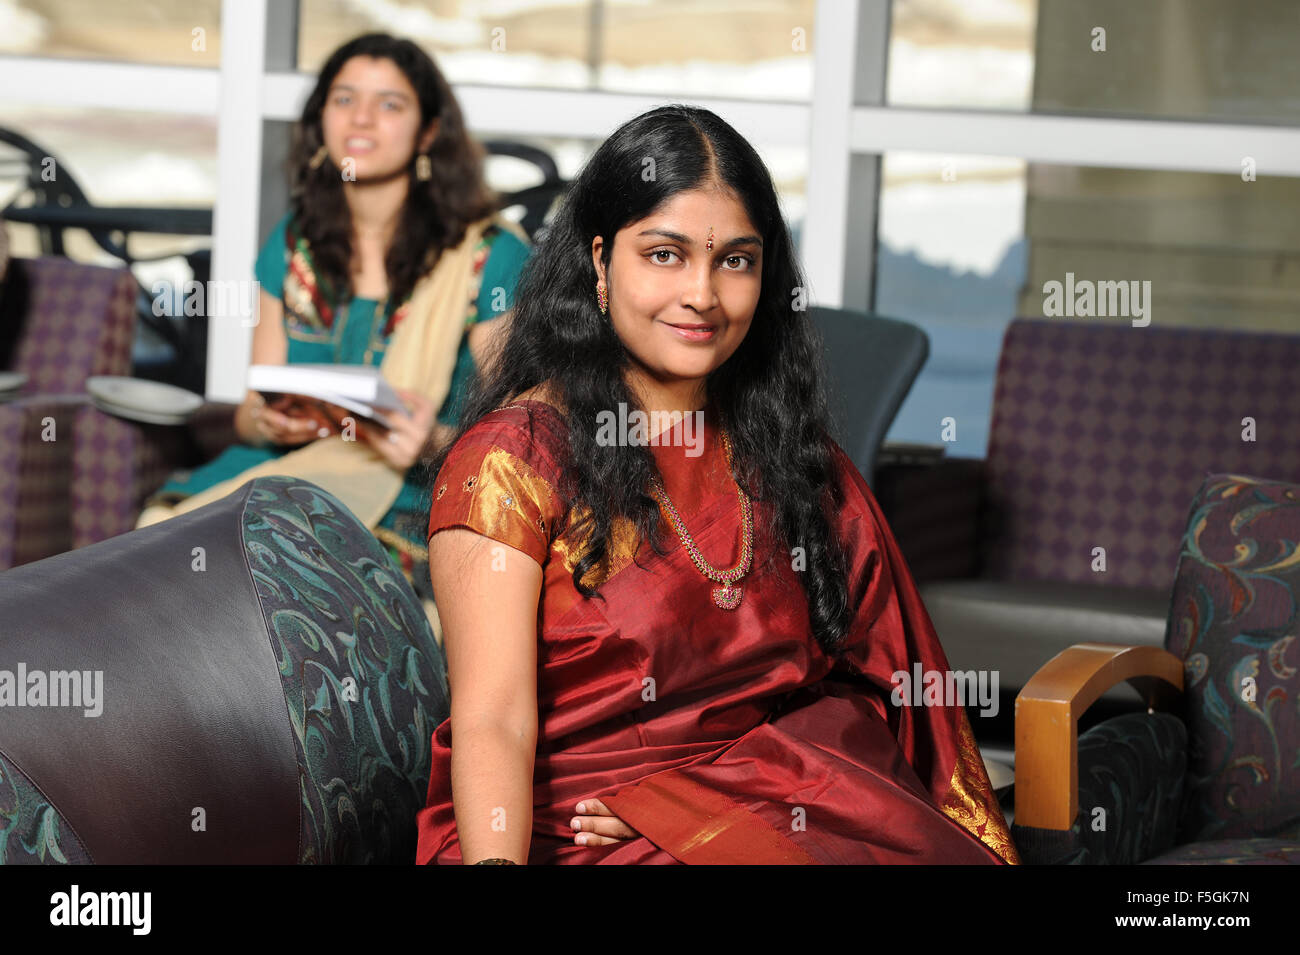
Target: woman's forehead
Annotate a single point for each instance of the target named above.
(694, 212)
(373, 74)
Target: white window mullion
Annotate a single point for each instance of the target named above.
(88, 84)
(239, 173)
(1174, 145)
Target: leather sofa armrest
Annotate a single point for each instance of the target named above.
(1047, 720)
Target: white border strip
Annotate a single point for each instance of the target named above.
(1080, 141)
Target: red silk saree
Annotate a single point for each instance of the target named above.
(720, 736)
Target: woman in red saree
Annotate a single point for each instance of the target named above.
(727, 695)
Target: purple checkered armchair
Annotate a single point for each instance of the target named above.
(71, 475)
(1101, 434)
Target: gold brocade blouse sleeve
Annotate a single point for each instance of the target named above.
(493, 492)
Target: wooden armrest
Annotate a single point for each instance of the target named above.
(1047, 720)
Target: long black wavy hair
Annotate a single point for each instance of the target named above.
(437, 211)
(768, 395)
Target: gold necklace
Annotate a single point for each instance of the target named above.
(727, 596)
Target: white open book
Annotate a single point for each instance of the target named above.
(358, 388)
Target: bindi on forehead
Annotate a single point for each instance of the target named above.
(718, 241)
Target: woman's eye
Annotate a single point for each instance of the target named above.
(658, 252)
(739, 258)
(341, 99)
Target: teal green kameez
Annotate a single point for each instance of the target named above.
(358, 339)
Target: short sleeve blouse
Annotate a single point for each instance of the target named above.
(500, 480)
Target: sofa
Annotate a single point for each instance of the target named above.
(1209, 774)
(1101, 433)
(255, 683)
(70, 474)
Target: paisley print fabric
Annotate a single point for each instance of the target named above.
(31, 830)
(364, 679)
(1233, 620)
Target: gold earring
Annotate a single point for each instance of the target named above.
(321, 155)
(602, 297)
(423, 167)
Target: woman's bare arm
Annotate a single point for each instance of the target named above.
(486, 338)
(270, 347)
(256, 424)
(487, 595)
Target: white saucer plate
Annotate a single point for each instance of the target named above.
(135, 414)
(139, 394)
(12, 380)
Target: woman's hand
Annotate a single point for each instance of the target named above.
(597, 826)
(400, 446)
(277, 425)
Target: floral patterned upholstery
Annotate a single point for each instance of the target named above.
(1232, 620)
(32, 830)
(363, 675)
(1233, 852)
(1131, 771)
(363, 681)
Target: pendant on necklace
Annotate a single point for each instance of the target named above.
(728, 598)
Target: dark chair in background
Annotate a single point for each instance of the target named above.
(1213, 778)
(538, 199)
(63, 322)
(871, 363)
(270, 685)
(71, 474)
(49, 199)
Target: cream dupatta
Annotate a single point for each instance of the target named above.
(421, 357)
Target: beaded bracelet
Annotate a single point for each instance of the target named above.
(495, 862)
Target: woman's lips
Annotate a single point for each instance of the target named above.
(694, 333)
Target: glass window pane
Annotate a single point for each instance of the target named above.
(167, 32)
(967, 243)
(1209, 60)
(976, 54)
(744, 49)
(102, 153)
(747, 49)
(951, 259)
(525, 44)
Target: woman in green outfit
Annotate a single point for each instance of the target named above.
(390, 225)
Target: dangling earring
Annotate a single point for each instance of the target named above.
(423, 167)
(321, 155)
(602, 297)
